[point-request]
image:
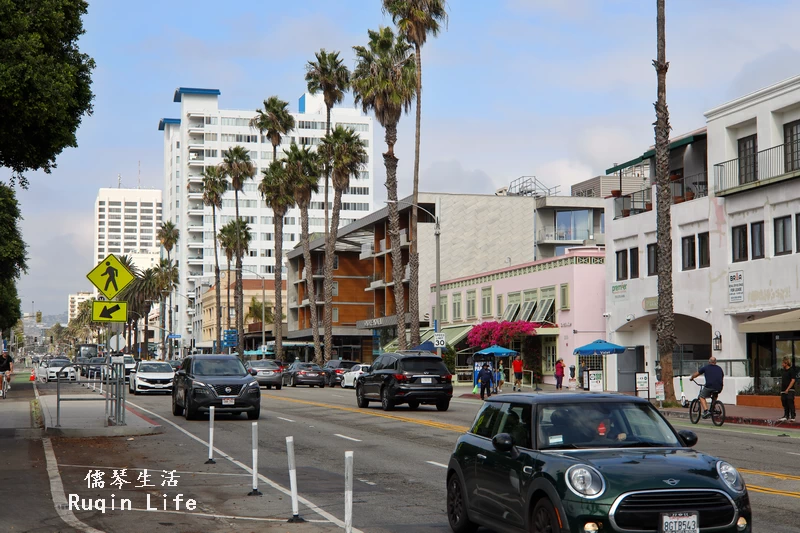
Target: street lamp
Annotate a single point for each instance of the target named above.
(263, 308)
(437, 233)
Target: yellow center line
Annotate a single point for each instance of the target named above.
(774, 492)
(430, 423)
(775, 475)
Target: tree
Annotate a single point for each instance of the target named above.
(274, 120)
(45, 83)
(665, 324)
(10, 310)
(237, 166)
(384, 81)
(302, 169)
(276, 189)
(227, 240)
(255, 310)
(329, 75)
(168, 236)
(347, 155)
(166, 277)
(13, 254)
(140, 295)
(415, 19)
(127, 262)
(213, 189)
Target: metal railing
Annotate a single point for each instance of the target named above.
(733, 368)
(634, 203)
(760, 166)
(688, 188)
(562, 233)
(110, 377)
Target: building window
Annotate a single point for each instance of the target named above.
(688, 259)
(739, 243)
(703, 253)
(499, 307)
(791, 143)
(471, 304)
(797, 232)
(443, 308)
(652, 259)
(564, 296)
(336, 262)
(335, 290)
(634, 257)
(622, 265)
(757, 239)
(456, 306)
(486, 301)
(783, 235)
(748, 163)
(335, 315)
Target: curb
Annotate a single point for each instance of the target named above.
(741, 420)
(110, 431)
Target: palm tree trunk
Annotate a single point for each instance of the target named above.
(170, 320)
(665, 325)
(238, 296)
(146, 338)
(413, 259)
(310, 289)
(216, 282)
(278, 318)
(330, 248)
(390, 161)
(162, 309)
(327, 170)
(228, 284)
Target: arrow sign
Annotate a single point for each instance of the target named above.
(109, 311)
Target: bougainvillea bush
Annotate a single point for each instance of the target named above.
(503, 333)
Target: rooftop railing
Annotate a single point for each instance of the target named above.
(753, 168)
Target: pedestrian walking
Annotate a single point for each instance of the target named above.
(788, 382)
(517, 368)
(560, 373)
(501, 376)
(485, 378)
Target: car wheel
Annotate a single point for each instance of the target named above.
(413, 405)
(360, 400)
(177, 410)
(188, 408)
(253, 415)
(386, 403)
(322, 385)
(457, 507)
(278, 387)
(543, 518)
(443, 405)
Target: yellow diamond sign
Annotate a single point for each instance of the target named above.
(109, 311)
(110, 276)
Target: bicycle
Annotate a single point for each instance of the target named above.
(4, 386)
(717, 408)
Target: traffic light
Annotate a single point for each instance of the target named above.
(51, 339)
(35, 340)
(38, 317)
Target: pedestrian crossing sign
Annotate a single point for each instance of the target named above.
(110, 276)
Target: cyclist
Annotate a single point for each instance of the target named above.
(6, 367)
(714, 377)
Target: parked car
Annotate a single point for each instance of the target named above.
(174, 363)
(128, 361)
(350, 377)
(299, 373)
(412, 378)
(269, 372)
(83, 362)
(95, 368)
(151, 376)
(220, 380)
(600, 462)
(60, 368)
(335, 369)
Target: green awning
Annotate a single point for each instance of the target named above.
(650, 153)
(452, 334)
(623, 166)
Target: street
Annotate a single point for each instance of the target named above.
(400, 460)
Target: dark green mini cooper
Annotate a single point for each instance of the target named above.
(581, 463)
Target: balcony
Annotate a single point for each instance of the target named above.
(404, 242)
(562, 234)
(686, 189)
(195, 228)
(196, 159)
(376, 281)
(634, 203)
(194, 194)
(367, 251)
(195, 178)
(772, 165)
(195, 243)
(195, 259)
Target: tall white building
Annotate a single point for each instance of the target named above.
(197, 140)
(126, 222)
(74, 301)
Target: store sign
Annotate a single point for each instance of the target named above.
(660, 396)
(595, 381)
(650, 303)
(736, 286)
(642, 381)
(619, 291)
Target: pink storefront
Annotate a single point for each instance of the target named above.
(565, 293)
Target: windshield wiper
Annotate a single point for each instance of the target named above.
(643, 444)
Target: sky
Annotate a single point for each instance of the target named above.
(557, 89)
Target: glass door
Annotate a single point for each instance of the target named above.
(748, 166)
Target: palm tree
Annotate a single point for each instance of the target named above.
(166, 280)
(213, 188)
(329, 75)
(255, 311)
(275, 120)
(347, 155)
(140, 295)
(416, 19)
(168, 236)
(237, 166)
(279, 196)
(385, 81)
(127, 262)
(227, 241)
(665, 325)
(302, 168)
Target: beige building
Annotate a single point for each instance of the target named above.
(75, 300)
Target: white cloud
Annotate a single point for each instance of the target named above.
(564, 173)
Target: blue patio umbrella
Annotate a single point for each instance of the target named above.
(599, 347)
(497, 351)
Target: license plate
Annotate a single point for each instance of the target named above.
(266, 373)
(426, 380)
(679, 523)
(228, 401)
(312, 375)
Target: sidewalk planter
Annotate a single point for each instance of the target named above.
(648, 206)
(755, 400)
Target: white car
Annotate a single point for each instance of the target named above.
(151, 376)
(351, 376)
(54, 370)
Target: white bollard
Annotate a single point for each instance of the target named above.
(293, 480)
(348, 492)
(255, 491)
(211, 460)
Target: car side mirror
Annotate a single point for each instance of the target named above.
(181, 372)
(367, 369)
(689, 437)
(253, 372)
(503, 442)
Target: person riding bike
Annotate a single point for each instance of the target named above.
(713, 385)
(6, 367)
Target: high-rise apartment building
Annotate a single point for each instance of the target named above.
(126, 222)
(197, 140)
(74, 301)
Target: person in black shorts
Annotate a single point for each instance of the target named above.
(714, 377)
(788, 381)
(6, 367)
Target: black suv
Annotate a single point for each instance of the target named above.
(335, 369)
(412, 378)
(218, 380)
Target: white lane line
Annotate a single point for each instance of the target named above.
(337, 395)
(314, 508)
(368, 482)
(434, 463)
(286, 419)
(346, 437)
(94, 467)
(231, 517)
(792, 453)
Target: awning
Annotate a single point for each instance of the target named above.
(452, 334)
(788, 321)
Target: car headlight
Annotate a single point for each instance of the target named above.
(730, 476)
(585, 481)
(253, 384)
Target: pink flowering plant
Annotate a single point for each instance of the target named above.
(503, 333)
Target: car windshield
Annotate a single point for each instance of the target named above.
(129, 360)
(97, 359)
(88, 351)
(155, 367)
(603, 425)
(430, 365)
(174, 363)
(219, 367)
(309, 366)
(264, 364)
(346, 365)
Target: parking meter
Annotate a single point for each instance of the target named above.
(658, 370)
(571, 371)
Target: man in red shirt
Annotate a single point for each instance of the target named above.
(517, 367)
